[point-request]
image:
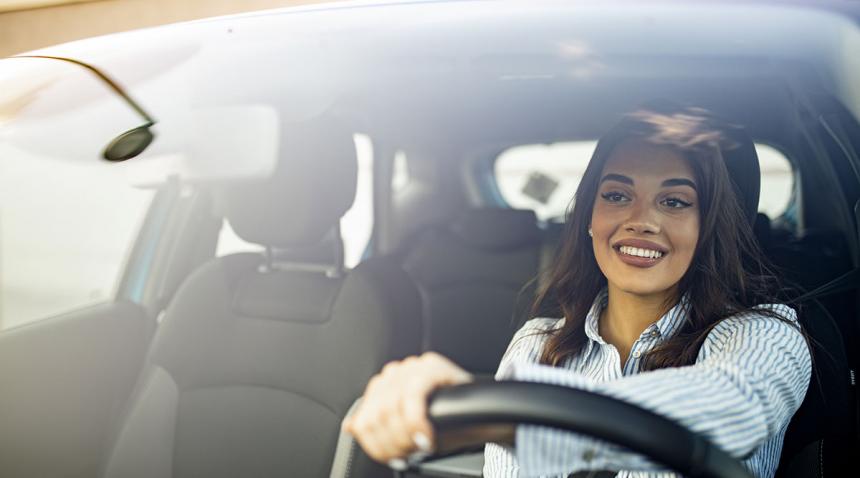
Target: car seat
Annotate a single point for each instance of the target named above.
(826, 413)
(471, 274)
(257, 360)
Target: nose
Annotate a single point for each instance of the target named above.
(643, 220)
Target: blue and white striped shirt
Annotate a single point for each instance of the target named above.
(750, 376)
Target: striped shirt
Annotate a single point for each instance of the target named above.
(750, 376)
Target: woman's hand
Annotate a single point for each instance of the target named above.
(391, 420)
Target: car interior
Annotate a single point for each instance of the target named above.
(452, 273)
(805, 252)
(244, 364)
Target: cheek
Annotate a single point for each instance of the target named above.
(685, 237)
(602, 219)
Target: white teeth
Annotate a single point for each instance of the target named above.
(635, 251)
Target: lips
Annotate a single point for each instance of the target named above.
(639, 252)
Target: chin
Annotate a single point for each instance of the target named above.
(643, 288)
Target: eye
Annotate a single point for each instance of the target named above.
(614, 196)
(675, 203)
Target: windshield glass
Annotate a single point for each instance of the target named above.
(359, 170)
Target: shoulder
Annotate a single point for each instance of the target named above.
(761, 317)
(527, 343)
(540, 324)
(538, 327)
(762, 325)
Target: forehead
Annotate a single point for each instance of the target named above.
(639, 159)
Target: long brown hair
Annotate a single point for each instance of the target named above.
(728, 273)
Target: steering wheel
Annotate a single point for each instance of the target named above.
(656, 437)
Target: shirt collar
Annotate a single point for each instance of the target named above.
(666, 326)
(591, 320)
(672, 321)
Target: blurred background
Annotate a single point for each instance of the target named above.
(30, 24)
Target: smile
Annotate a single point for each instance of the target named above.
(639, 252)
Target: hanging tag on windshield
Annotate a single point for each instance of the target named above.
(540, 187)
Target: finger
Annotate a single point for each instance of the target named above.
(380, 425)
(414, 411)
(370, 444)
(396, 434)
(445, 371)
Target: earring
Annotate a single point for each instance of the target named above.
(590, 234)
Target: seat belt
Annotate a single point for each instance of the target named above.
(851, 279)
(847, 281)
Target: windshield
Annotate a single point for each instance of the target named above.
(290, 160)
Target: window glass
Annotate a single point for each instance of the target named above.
(356, 224)
(777, 180)
(66, 228)
(400, 172)
(544, 177)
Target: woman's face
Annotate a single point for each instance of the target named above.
(645, 221)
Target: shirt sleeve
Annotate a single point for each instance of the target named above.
(751, 376)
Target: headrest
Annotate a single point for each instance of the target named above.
(496, 228)
(312, 186)
(738, 153)
(742, 164)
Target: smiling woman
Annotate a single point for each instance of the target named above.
(658, 181)
(647, 218)
(658, 269)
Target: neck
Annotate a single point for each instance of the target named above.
(627, 315)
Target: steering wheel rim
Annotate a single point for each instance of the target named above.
(615, 421)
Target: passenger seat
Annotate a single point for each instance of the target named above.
(258, 359)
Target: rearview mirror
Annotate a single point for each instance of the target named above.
(129, 144)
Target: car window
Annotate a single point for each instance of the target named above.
(356, 224)
(544, 177)
(65, 231)
(400, 177)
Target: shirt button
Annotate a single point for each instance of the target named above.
(654, 333)
(637, 354)
(588, 455)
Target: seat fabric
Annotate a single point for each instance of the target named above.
(246, 387)
(472, 275)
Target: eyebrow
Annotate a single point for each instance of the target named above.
(667, 183)
(678, 182)
(617, 177)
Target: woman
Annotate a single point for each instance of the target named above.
(666, 305)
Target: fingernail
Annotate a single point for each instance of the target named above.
(417, 457)
(398, 464)
(422, 442)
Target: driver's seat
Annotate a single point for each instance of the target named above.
(825, 424)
